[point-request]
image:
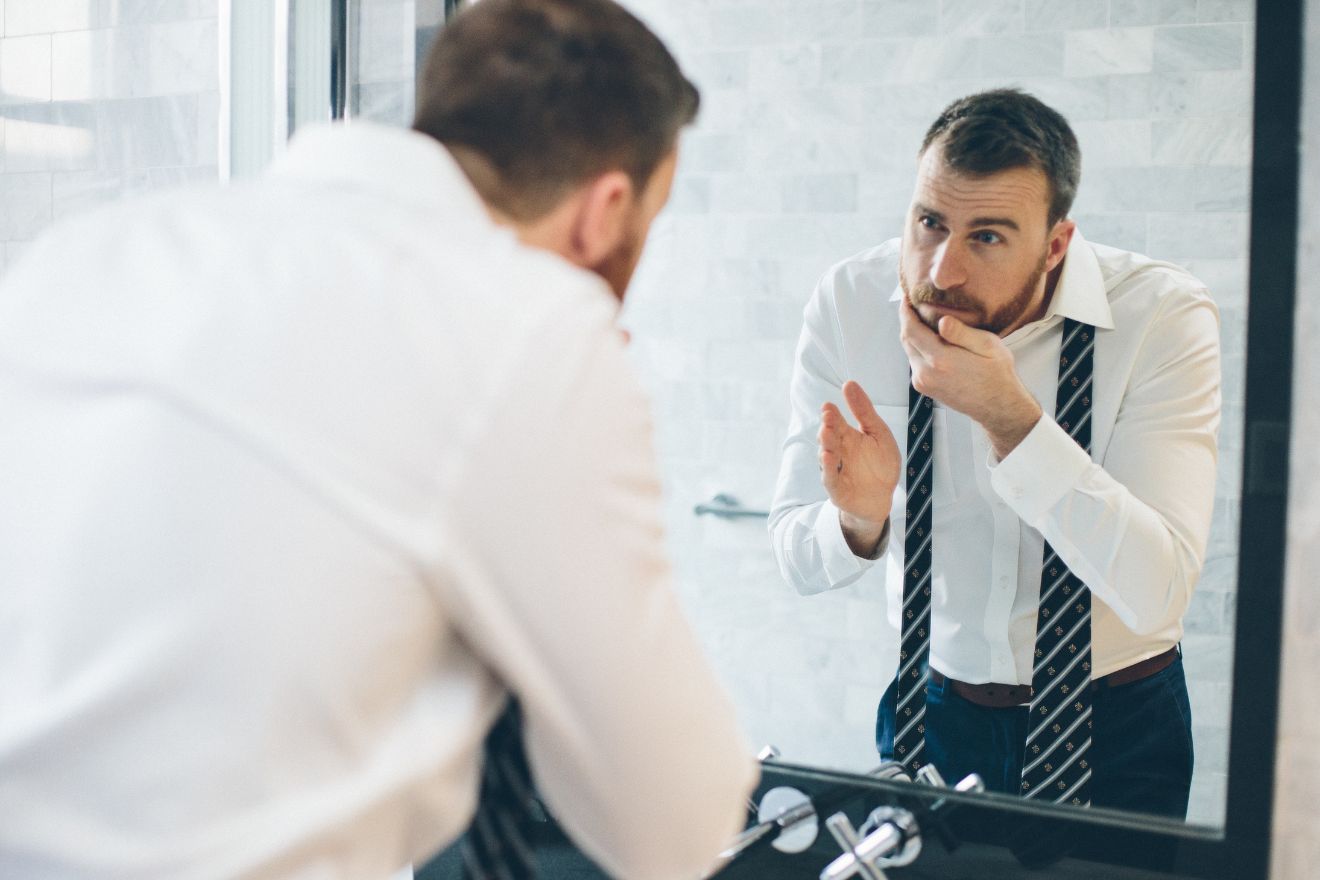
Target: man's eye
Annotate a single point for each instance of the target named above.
(987, 238)
(928, 221)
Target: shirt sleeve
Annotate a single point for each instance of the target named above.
(564, 590)
(1135, 530)
(805, 532)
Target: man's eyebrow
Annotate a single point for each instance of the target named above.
(1008, 223)
(922, 211)
(997, 221)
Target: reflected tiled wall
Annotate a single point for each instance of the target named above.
(804, 154)
(100, 98)
(387, 51)
(1296, 845)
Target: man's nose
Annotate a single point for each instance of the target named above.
(948, 269)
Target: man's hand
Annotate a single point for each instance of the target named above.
(859, 468)
(971, 371)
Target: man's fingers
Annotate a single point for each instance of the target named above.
(955, 332)
(918, 340)
(833, 426)
(830, 466)
(861, 407)
(830, 416)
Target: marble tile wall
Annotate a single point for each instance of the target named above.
(99, 98)
(386, 60)
(804, 154)
(1296, 850)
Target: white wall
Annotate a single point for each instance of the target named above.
(99, 98)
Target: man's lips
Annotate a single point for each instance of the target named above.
(944, 308)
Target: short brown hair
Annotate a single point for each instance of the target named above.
(1006, 128)
(548, 94)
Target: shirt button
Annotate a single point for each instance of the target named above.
(1015, 492)
(1003, 583)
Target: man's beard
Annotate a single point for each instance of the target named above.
(618, 266)
(925, 293)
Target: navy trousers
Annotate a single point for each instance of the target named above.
(1141, 742)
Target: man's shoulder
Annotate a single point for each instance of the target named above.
(870, 272)
(1125, 272)
(882, 257)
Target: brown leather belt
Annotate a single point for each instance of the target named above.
(1003, 696)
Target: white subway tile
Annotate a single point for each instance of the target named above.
(1019, 55)
(1225, 10)
(775, 69)
(123, 12)
(745, 194)
(96, 64)
(50, 138)
(718, 70)
(888, 19)
(25, 205)
(1113, 143)
(49, 16)
(1200, 47)
(746, 25)
(820, 193)
(25, 74)
(980, 17)
(1200, 142)
(1123, 13)
(1107, 52)
(180, 57)
(1065, 15)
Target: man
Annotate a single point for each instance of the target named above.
(1038, 587)
(303, 477)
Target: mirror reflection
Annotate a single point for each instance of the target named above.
(804, 207)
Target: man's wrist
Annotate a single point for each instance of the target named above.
(1011, 425)
(862, 535)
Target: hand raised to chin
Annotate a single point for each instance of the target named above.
(971, 371)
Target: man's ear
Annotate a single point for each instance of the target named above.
(1060, 238)
(601, 220)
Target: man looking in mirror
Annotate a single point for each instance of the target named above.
(302, 478)
(1036, 472)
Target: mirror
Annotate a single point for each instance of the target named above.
(804, 154)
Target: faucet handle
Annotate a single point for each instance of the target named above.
(852, 862)
(938, 811)
(768, 752)
(889, 838)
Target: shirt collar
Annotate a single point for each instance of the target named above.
(1080, 293)
(401, 164)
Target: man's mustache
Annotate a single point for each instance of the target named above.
(926, 293)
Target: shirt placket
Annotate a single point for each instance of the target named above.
(1006, 576)
(1003, 584)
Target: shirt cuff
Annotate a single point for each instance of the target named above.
(841, 564)
(1035, 476)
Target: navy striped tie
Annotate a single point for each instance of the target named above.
(914, 646)
(1056, 765)
(498, 845)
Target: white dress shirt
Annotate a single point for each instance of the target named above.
(296, 477)
(1132, 523)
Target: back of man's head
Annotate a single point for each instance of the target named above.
(536, 97)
